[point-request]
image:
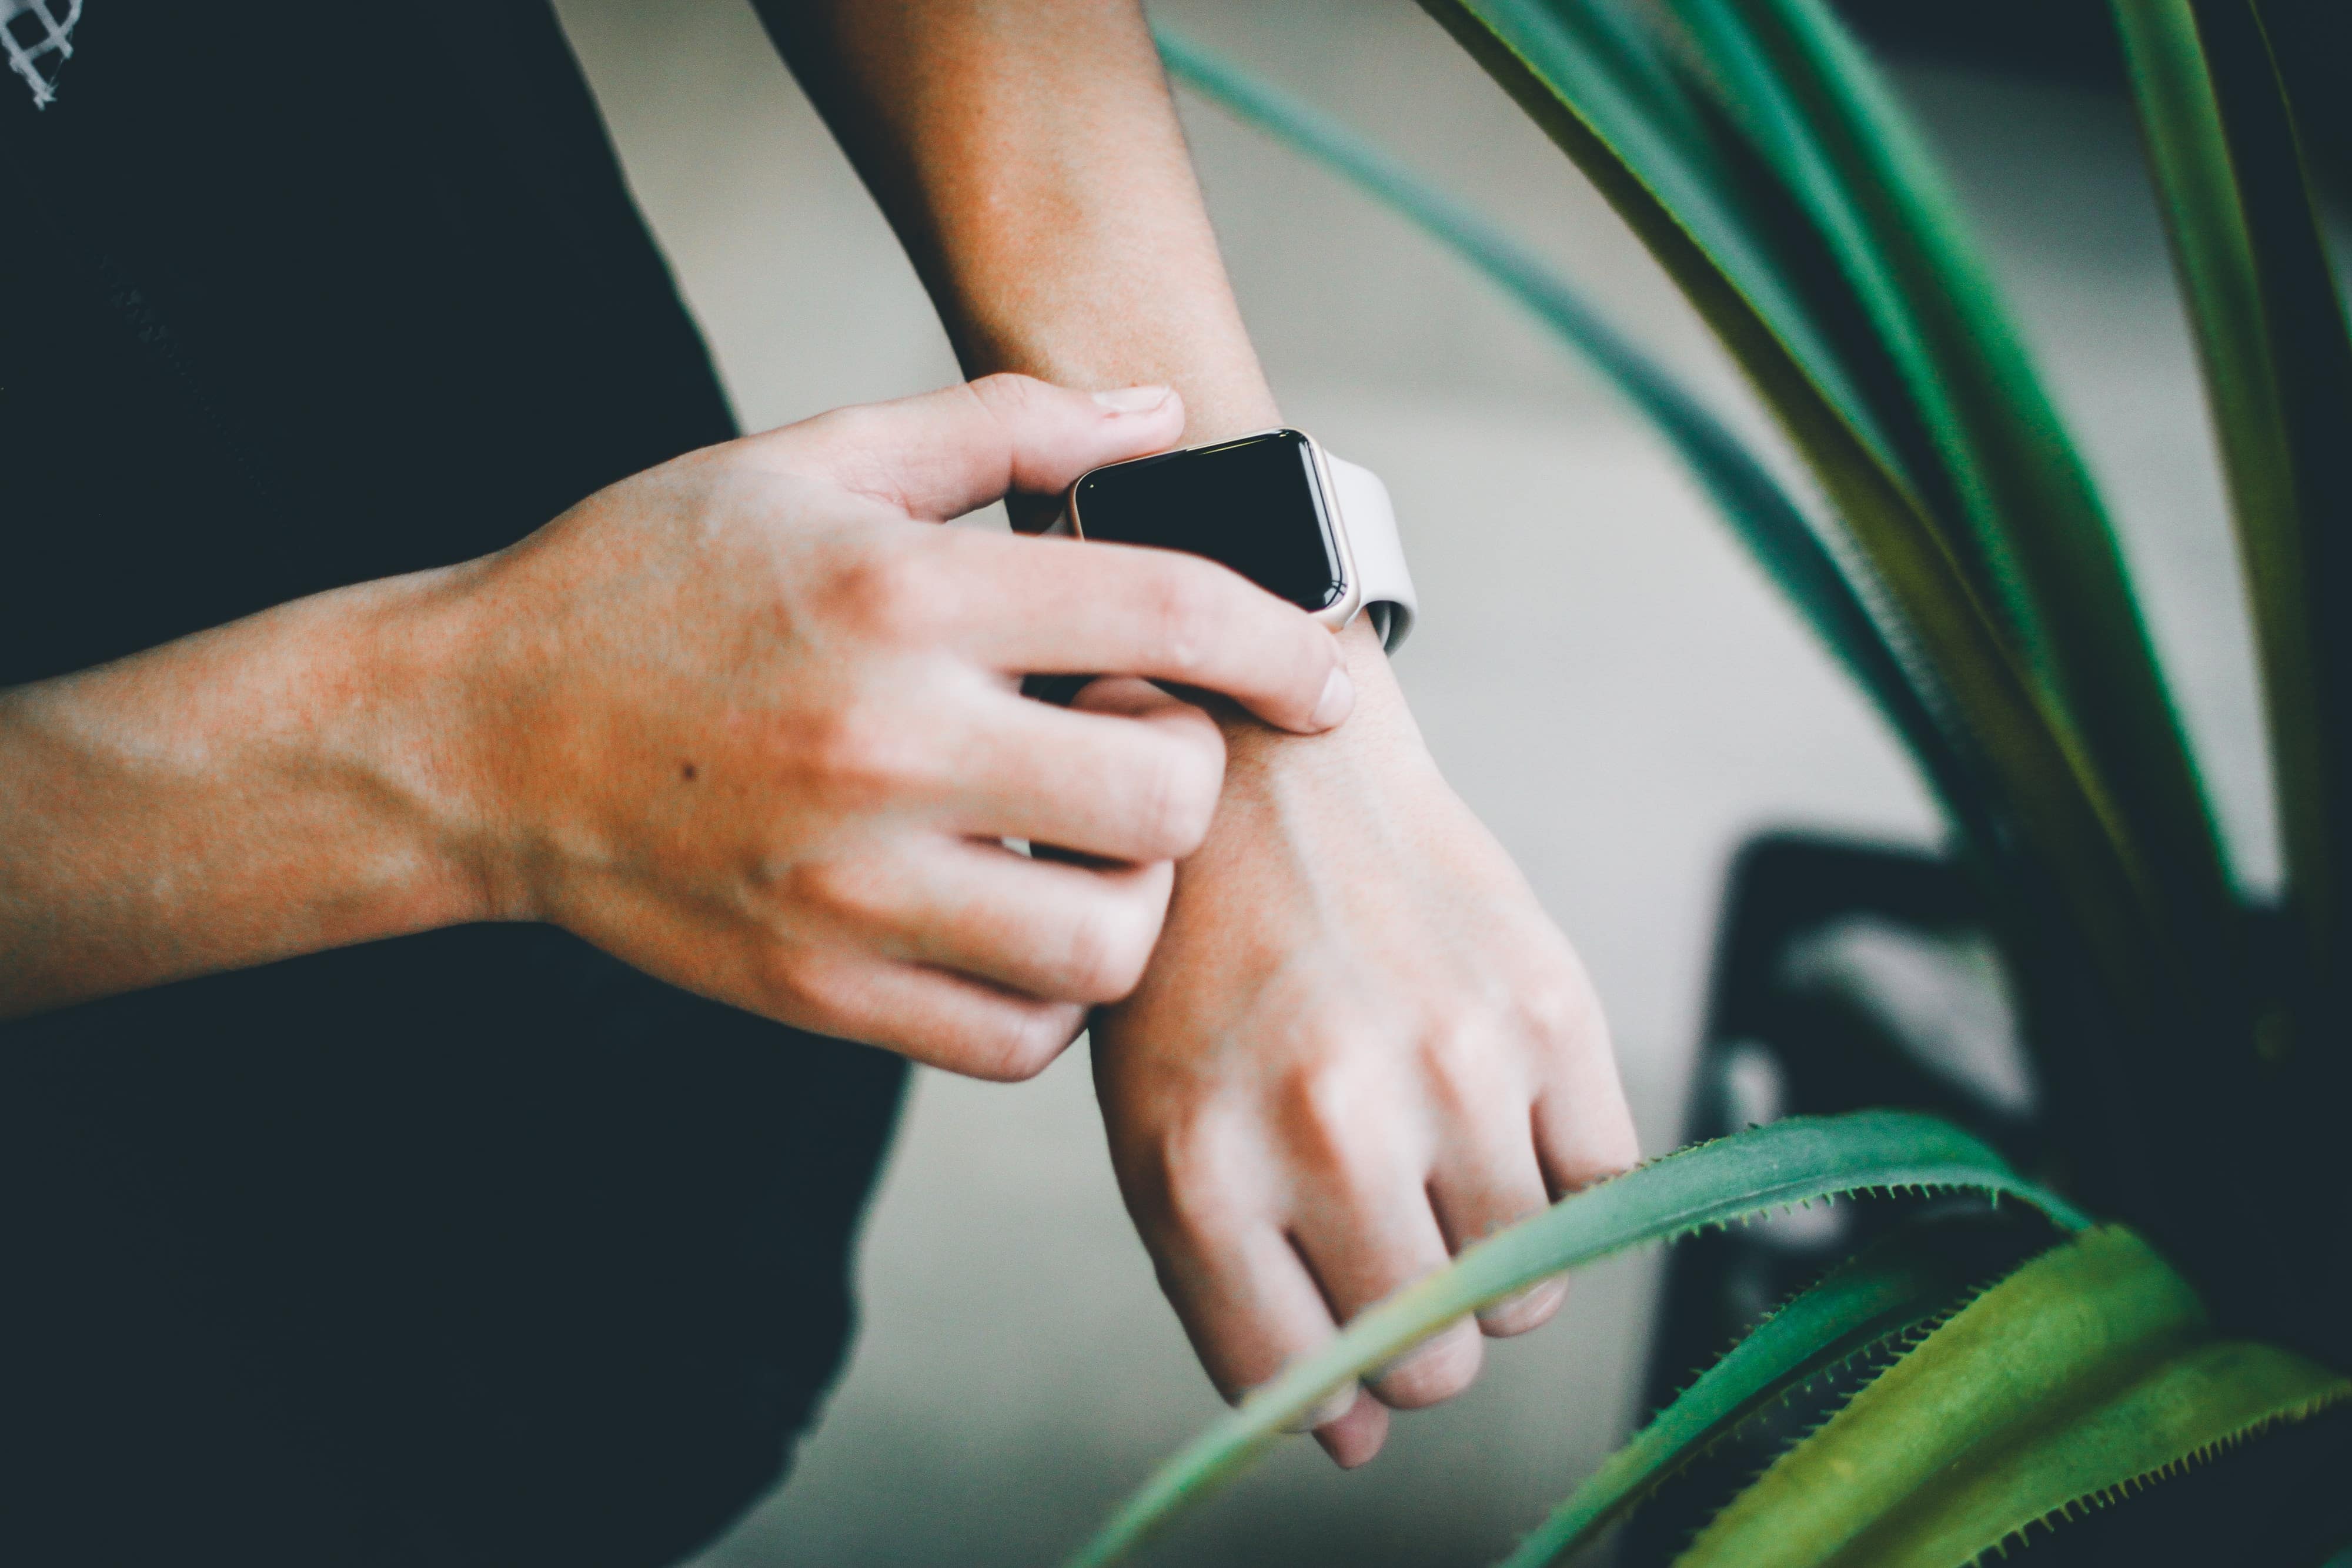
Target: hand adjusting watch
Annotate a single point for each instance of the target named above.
(1276, 507)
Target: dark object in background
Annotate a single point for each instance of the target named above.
(2074, 41)
(1818, 937)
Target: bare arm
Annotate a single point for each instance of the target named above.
(741, 720)
(1360, 1044)
(1028, 155)
(272, 787)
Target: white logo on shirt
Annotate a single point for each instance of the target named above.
(39, 37)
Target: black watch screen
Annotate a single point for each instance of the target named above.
(1254, 503)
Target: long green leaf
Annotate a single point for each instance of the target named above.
(1766, 1168)
(2032, 529)
(1601, 57)
(2090, 1371)
(2271, 332)
(1756, 505)
(1910, 1278)
(2095, 887)
(2060, 806)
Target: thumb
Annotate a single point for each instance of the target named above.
(949, 452)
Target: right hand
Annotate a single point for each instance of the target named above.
(750, 721)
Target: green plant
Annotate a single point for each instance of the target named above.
(2195, 1047)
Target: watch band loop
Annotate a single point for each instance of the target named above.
(1369, 517)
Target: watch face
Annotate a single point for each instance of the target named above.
(1254, 504)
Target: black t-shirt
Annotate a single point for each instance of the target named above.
(475, 1247)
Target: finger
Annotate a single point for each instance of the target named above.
(1047, 606)
(1489, 1184)
(1139, 789)
(942, 1020)
(1251, 1311)
(1365, 1241)
(1356, 1436)
(1058, 932)
(1127, 697)
(946, 453)
(1124, 696)
(1583, 1128)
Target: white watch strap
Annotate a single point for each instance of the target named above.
(1385, 581)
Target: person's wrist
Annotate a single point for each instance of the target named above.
(1215, 410)
(1362, 760)
(433, 740)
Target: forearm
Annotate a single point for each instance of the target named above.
(267, 788)
(1028, 154)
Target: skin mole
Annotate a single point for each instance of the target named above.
(688, 772)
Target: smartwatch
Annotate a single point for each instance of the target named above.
(1276, 507)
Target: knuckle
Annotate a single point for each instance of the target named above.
(827, 887)
(1004, 393)
(842, 441)
(856, 428)
(789, 985)
(1331, 1120)
(1182, 613)
(1559, 1009)
(1179, 799)
(1460, 1063)
(892, 596)
(859, 753)
(1088, 955)
(1106, 955)
(1023, 1044)
(1188, 1182)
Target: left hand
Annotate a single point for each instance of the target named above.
(1359, 1047)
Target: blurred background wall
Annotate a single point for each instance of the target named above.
(1600, 673)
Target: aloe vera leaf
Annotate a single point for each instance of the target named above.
(1599, 53)
(1756, 505)
(1909, 1279)
(1621, 39)
(2088, 1371)
(1754, 224)
(2086, 878)
(2178, 1413)
(1755, 1172)
(2036, 540)
(2059, 805)
(2269, 330)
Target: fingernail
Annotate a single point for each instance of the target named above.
(1326, 1410)
(1445, 1341)
(1132, 399)
(1337, 700)
(1515, 1313)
